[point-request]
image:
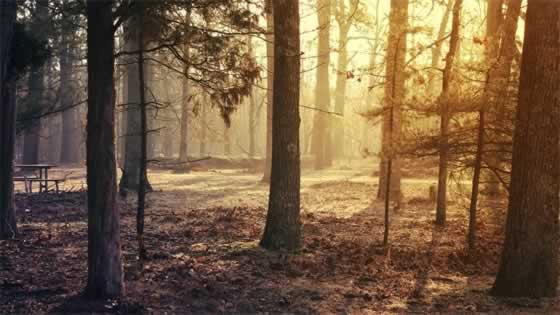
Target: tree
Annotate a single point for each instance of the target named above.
(445, 114)
(252, 109)
(374, 75)
(185, 108)
(203, 126)
(529, 263)
(321, 133)
(436, 50)
(143, 137)
(494, 21)
(69, 148)
(500, 59)
(36, 87)
(105, 270)
(130, 179)
(269, 82)
(7, 119)
(345, 18)
(283, 225)
(394, 96)
(471, 238)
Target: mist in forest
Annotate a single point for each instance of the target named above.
(261, 156)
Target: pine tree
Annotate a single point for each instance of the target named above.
(7, 119)
(529, 263)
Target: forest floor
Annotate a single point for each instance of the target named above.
(202, 232)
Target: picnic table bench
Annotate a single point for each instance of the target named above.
(37, 173)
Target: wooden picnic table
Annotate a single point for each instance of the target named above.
(40, 174)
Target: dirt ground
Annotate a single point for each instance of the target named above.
(202, 236)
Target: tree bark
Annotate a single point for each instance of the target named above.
(445, 115)
(8, 227)
(394, 96)
(283, 225)
(105, 270)
(529, 263)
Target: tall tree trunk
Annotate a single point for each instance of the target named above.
(269, 91)
(122, 111)
(529, 264)
(185, 113)
(321, 132)
(8, 227)
(373, 80)
(131, 171)
(344, 20)
(500, 59)
(283, 225)
(153, 127)
(252, 110)
(69, 148)
(445, 115)
(143, 138)
(394, 96)
(168, 140)
(185, 109)
(105, 270)
(36, 88)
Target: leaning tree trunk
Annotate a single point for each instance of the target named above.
(445, 114)
(394, 96)
(7, 120)
(105, 270)
(321, 134)
(529, 264)
(283, 225)
(269, 92)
